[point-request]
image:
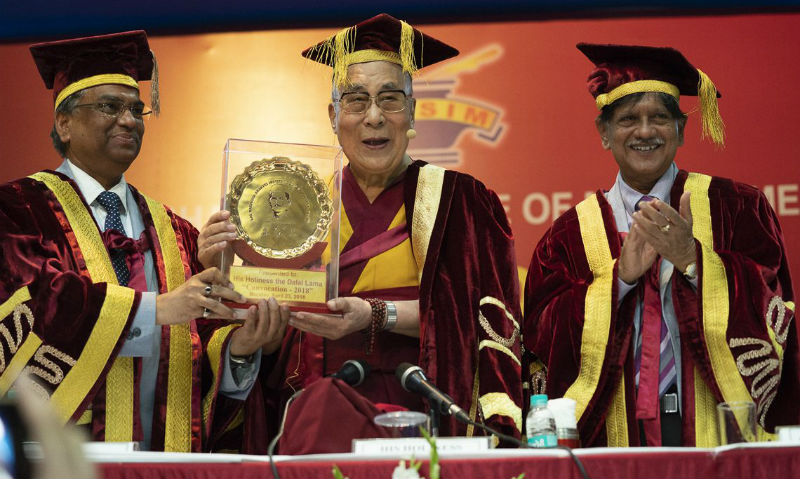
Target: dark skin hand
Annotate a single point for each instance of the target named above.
(658, 229)
(215, 238)
(187, 301)
(263, 328)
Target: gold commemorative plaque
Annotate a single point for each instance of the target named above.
(284, 200)
(280, 207)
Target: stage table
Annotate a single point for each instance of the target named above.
(771, 460)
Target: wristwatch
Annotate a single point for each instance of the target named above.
(691, 270)
(242, 360)
(391, 316)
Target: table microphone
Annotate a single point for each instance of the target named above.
(413, 379)
(353, 372)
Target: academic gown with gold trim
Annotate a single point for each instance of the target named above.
(458, 236)
(65, 318)
(739, 340)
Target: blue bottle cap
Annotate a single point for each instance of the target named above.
(538, 400)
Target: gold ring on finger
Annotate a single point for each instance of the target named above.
(666, 227)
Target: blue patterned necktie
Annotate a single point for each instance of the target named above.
(112, 204)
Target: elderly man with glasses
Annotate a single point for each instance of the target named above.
(100, 285)
(427, 270)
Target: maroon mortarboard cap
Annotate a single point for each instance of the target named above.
(622, 70)
(381, 37)
(67, 66)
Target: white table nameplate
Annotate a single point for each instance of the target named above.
(418, 445)
(788, 433)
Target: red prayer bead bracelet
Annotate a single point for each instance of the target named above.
(376, 322)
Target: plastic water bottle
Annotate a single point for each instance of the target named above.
(540, 425)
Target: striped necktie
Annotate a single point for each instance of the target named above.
(666, 364)
(112, 204)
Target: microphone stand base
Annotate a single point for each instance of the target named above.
(434, 417)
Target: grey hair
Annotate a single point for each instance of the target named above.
(66, 107)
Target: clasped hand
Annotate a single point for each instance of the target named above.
(193, 298)
(263, 328)
(264, 324)
(657, 229)
(356, 316)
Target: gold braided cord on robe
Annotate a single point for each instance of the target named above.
(22, 352)
(430, 184)
(499, 403)
(120, 380)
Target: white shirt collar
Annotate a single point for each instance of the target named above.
(660, 190)
(91, 188)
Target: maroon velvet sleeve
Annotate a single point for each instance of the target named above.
(38, 251)
(470, 258)
(749, 242)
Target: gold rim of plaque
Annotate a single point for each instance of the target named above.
(281, 207)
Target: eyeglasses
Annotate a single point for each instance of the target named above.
(113, 109)
(389, 101)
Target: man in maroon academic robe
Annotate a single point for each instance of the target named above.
(650, 303)
(100, 285)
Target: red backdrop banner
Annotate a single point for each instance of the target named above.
(512, 109)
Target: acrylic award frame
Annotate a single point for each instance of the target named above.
(284, 200)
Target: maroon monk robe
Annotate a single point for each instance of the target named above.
(325, 406)
(370, 224)
(738, 337)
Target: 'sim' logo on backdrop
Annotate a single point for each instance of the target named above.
(442, 117)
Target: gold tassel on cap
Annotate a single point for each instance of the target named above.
(339, 51)
(155, 99)
(713, 125)
(323, 51)
(407, 60)
(343, 44)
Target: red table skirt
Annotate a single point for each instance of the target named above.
(768, 462)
